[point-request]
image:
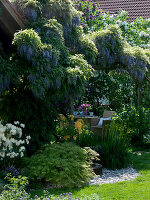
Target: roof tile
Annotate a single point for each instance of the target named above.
(135, 8)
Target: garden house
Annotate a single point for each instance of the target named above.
(135, 8)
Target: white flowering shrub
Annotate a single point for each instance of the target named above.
(11, 142)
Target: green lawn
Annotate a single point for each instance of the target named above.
(139, 188)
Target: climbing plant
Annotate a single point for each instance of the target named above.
(136, 33)
(52, 61)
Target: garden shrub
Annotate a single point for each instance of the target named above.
(12, 142)
(62, 165)
(85, 138)
(78, 132)
(115, 146)
(146, 141)
(35, 114)
(137, 119)
(31, 90)
(65, 128)
(44, 51)
(117, 88)
(14, 190)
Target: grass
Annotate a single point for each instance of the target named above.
(137, 189)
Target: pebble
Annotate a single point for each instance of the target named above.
(112, 176)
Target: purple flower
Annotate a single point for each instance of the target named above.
(94, 7)
(91, 15)
(87, 19)
(87, 9)
(14, 171)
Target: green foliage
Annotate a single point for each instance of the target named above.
(78, 74)
(112, 31)
(137, 52)
(72, 38)
(77, 132)
(49, 67)
(48, 196)
(85, 70)
(45, 58)
(28, 37)
(31, 10)
(137, 119)
(114, 49)
(90, 11)
(117, 88)
(37, 115)
(146, 92)
(65, 128)
(65, 165)
(136, 189)
(109, 43)
(61, 10)
(15, 189)
(87, 138)
(6, 74)
(50, 32)
(146, 141)
(55, 27)
(94, 19)
(88, 48)
(115, 146)
(115, 52)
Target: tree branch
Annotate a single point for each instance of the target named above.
(147, 79)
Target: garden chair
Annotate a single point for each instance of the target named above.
(98, 127)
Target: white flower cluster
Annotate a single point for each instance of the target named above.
(143, 34)
(137, 33)
(123, 13)
(11, 144)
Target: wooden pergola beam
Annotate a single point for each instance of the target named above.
(10, 20)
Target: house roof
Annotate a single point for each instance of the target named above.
(135, 8)
(10, 19)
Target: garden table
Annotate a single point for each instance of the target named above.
(88, 119)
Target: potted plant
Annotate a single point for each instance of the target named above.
(85, 109)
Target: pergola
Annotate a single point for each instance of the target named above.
(11, 21)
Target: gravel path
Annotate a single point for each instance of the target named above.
(112, 176)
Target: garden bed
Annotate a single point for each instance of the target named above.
(135, 189)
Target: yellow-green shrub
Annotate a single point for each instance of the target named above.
(62, 164)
